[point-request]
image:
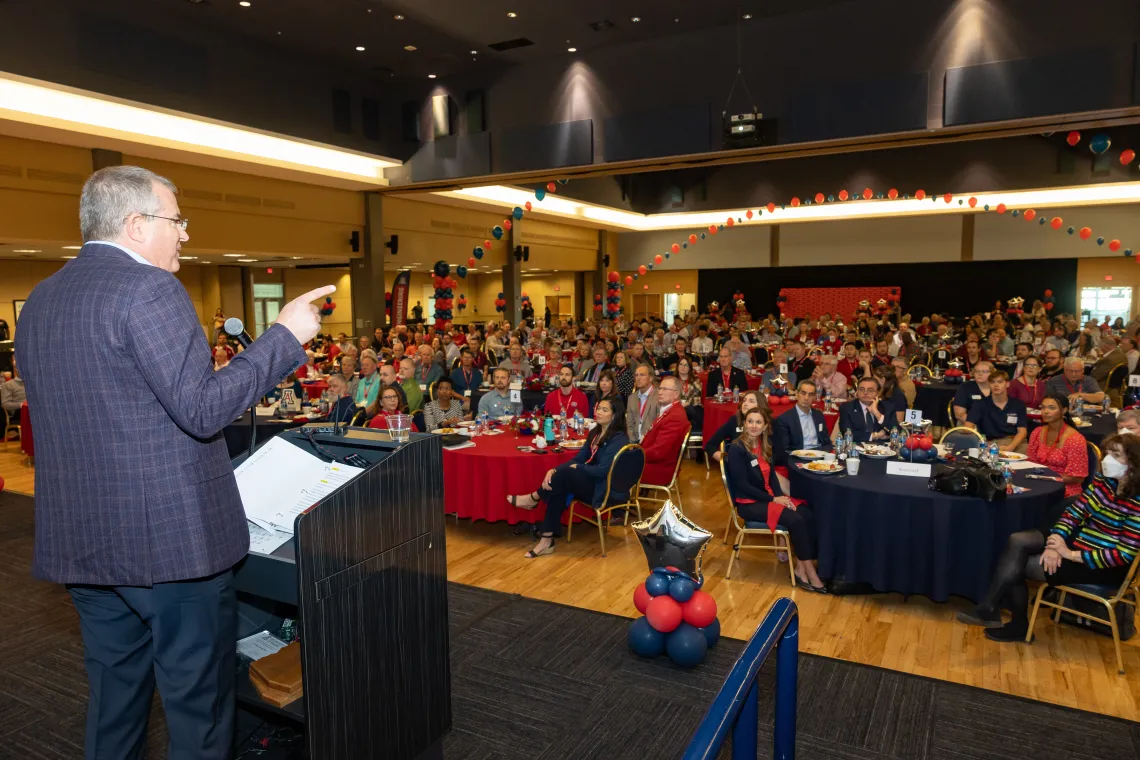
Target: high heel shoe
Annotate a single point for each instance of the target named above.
(532, 554)
(514, 501)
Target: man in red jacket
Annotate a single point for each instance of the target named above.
(666, 437)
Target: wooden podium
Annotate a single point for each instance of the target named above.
(365, 577)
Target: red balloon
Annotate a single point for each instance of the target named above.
(641, 598)
(868, 193)
(795, 202)
(1114, 245)
(486, 245)
(642, 270)
(748, 214)
(471, 261)
(892, 193)
(675, 248)
(973, 202)
(819, 198)
(1073, 138)
(1001, 208)
(1049, 306)
(1048, 293)
(507, 224)
(672, 569)
(692, 239)
(1127, 156)
(614, 276)
(551, 187)
(920, 194)
(730, 222)
(645, 287)
(843, 195)
(712, 229)
(700, 610)
(387, 295)
(1056, 222)
(664, 613)
(658, 259)
(628, 280)
(1085, 233)
(948, 197)
(771, 207)
(527, 206)
(1029, 215)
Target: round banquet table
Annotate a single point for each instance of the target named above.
(893, 532)
(753, 380)
(717, 413)
(478, 480)
(531, 399)
(932, 398)
(315, 388)
(27, 443)
(1102, 425)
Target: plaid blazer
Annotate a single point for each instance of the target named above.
(133, 481)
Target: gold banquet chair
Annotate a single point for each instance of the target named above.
(625, 477)
(674, 484)
(744, 529)
(961, 438)
(1106, 595)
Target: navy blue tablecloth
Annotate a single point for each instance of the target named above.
(894, 533)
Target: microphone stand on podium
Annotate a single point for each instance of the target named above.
(234, 328)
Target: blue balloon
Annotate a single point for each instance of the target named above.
(442, 269)
(500, 295)
(563, 181)
(517, 213)
(666, 255)
(635, 275)
(682, 589)
(1099, 144)
(1100, 241)
(657, 585)
(660, 570)
(540, 193)
(905, 454)
(461, 270)
(497, 232)
(649, 265)
(684, 245)
(712, 632)
(686, 646)
(702, 236)
(478, 251)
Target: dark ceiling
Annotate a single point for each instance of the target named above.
(445, 32)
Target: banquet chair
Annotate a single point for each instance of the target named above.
(431, 391)
(746, 529)
(357, 419)
(920, 372)
(1109, 596)
(9, 426)
(1116, 383)
(1093, 453)
(695, 441)
(961, 438)
(761, 355)
(624, 477)
(455, 363)
(674, 484)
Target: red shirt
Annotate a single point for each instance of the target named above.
(847, 367)
(381, 421)
(566, 405)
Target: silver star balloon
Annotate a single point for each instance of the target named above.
(668, 538)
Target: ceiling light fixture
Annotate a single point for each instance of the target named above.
(188, 258)
(69, 257)
(410, 48)
(512, 14)
(244, 3)
(571, 50)
(431, 76)
(747, 16)
(399, 17)
(635, 19)
(232, 255)
(360, 48)
(247, 261)
(474, 52)
(26, 250)
(72, 247)
(298, 258)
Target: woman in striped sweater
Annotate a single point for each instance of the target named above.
(1095, 541)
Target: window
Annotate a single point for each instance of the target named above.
(428, 302)
(1106, 303)
(268, 299)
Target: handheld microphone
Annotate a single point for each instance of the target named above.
(236, 330)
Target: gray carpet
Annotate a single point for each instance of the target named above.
(537, 680)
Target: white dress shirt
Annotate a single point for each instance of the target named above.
(125, 250)
(807, 427)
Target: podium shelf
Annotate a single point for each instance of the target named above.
(247, 695)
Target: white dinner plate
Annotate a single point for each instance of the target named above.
(874, 451)
(824, 468)
(808, 454)
(1012, 456)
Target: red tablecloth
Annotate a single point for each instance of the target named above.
(477, 481)
(716, 415)
(27, 445)
(315, 388)
(753, 380)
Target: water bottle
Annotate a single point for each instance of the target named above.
(736, 395)
(578, 423)
(548, 429)
(1007, 476)
(1079, 407)
(720, 394)
(847, 440)
(995, 452)
(1107, 403)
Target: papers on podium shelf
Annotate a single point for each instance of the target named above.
(280, 481)
(260, 644)
(265, 541)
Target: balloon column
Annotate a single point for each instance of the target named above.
(1048, 300)
(328, 307)
(461, 304)
(500, 303)
(597, 302)
(388, 305)
(613, 296)
(680, 618)
(443, 294)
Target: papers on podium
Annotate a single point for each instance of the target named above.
(280, 481)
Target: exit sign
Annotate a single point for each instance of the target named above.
(269, 270)
(1108, 278)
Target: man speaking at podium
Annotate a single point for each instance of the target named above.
(137, 509)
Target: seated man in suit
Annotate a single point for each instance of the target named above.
(593, 370)
(725, 375)
(641, 406)
(802, 428)
(863, 417)
(666, 435)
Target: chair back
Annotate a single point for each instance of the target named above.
(1093, 454)
(681, 453)
(431, 391)
(1117, 378)
(950, 412)
(357, 418)
(920, 372)
(625, 472)
(961, 438)
(761, 355)
(737, 523)
(455, 363)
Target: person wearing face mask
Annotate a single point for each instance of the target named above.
(758, 496)
(971, 392)
(1094, 542)
(1128, 422)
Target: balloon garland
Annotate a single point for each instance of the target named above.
(328, 307)
(613, 296)
(443, 295)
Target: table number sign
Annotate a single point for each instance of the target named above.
(783, 370)
(911, 469)
(913, 417)
(1134, 381)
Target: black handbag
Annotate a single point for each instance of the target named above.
(968, 477)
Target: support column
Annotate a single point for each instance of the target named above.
(968, 237)
(368, 271)
(580, 296)
(101, 159)
(600, 264)
(773, 246)
(512, 276)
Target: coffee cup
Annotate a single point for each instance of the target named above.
(829, 457)
(853, 465)
(974, 453)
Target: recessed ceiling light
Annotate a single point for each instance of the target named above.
(410, 48)
(399, 17)
(298, 258)
(244, 3)
(571, 50)
(72, 247)
(360, 48)
(278, 32)
(232, 255)
(512, 14)
(188, 258)
(26, 250)
(635, 19)
(69, 257)
(431, 76)
(474, 52)
(247, 261)
(747, 16)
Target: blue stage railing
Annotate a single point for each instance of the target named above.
(737, 705)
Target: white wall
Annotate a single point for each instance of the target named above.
(744, 247)
(1003, 237)
(871, 241)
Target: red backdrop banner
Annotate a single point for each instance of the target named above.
(841, 301)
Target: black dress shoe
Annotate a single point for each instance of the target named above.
(982, 616)
(1008, 632)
